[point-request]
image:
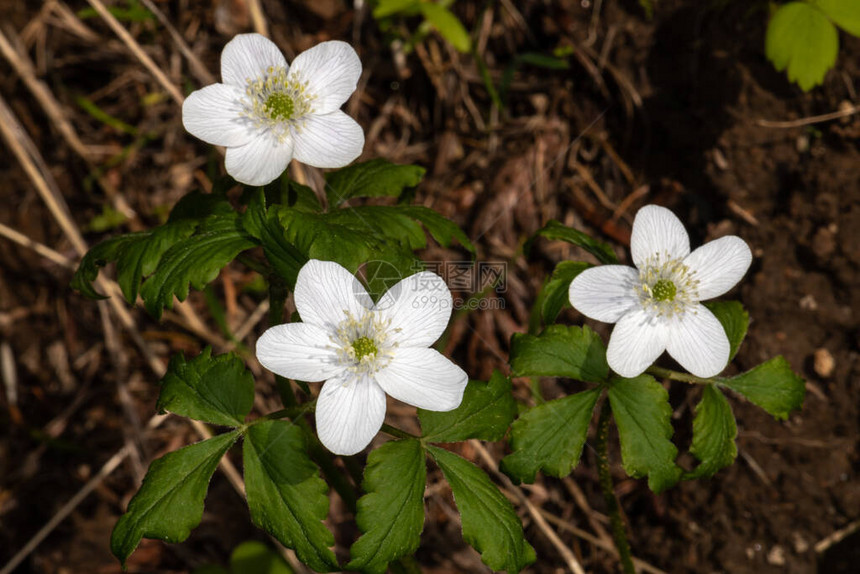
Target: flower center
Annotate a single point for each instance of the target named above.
(666, 286)
(664, 290)
(363, 347)
(279, 106)
(362, 344)
(277, 101)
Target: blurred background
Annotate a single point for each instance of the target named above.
(580, 111)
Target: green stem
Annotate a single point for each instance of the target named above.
(396, 432)
(335, 475)
(254, 265)
(662, 373)
(277, 298)
(609, 498)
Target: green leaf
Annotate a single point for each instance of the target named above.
(265, 225)
(560, 351)
(485, 413)
(555, 230)
(317, 236)
(97, 257)
(772, 385)
(555, 294)
(169, 503)
(443, 230)
(141, 258)
(448, 25)
(391, 514)
(374, 178)
(734, 319)
(844, 13)
(286, 496)
(550, 436)
(218, 391)
(198, 205)
(382, 223)
(387, 8)
(714, 434)
(490, 523)
(254, 557)
(195, 260)
(801, 40)
(643, 416)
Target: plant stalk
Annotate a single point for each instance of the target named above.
(618, 531)
(676, 376)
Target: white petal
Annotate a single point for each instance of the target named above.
(349, 413)
(605, 293)
(260, 161)
(423, 378)
(298, 351)
(326, 292)
(658, 230)
(698, 342)
(719, 265)
(330, 140)
(636, 342)
(213, 115)
(418, 307)
(331, 70)
(247, 57)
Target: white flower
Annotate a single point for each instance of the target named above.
(363, 351)
(657, 304)
(267, 112)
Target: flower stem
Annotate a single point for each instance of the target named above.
(277, 298)
(676, 376)
(396, 432)
(609, 498)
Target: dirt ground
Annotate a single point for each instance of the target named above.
(670, 109)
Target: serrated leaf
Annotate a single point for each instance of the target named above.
(169, 503)
(550, 437)
(136, 255)
(448, 25)
(844, 13)
(772, 385)
(643, 416)
(254, 557)
(801, 40)
(140, 258)
(374, 178)
(560, 351)
(391, 514)
(555, 230)
(443, 230)
(555, 294)
(195, 260)
(490, 523)
(97, 257)
(317, 236)
(735, 321)
(286, 496)
(485, 413)
(216, 390)
(382, 223)
(714, 434)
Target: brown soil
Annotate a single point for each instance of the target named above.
(661, 110)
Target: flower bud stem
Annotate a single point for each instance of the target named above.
(612, 506)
